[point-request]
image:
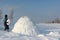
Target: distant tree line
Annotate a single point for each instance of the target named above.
(57, 20)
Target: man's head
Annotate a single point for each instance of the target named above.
(6, 16)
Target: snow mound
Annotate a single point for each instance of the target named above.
(42, 37)
(24, 26)
(53, 34)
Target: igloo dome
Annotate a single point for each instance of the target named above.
(24, 26)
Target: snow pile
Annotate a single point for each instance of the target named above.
(54, 34)
(42, 37)
(24, 26)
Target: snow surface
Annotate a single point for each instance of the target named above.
(44, 31)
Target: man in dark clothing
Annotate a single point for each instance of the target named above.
(5, 23)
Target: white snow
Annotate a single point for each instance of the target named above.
(42, 37)
(53, 34)
(49, 26)
(24, 29)
(24, 26)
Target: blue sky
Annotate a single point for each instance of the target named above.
(37, 10)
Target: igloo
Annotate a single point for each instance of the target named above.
(24, 26)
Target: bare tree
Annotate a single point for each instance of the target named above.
(11, 15)
(1, 15)
(57, 20)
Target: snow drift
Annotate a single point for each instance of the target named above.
(55, 34)
(42, 37)
(24, 26)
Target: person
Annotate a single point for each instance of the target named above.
(6, 23)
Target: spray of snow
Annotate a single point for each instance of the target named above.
(24, 26)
